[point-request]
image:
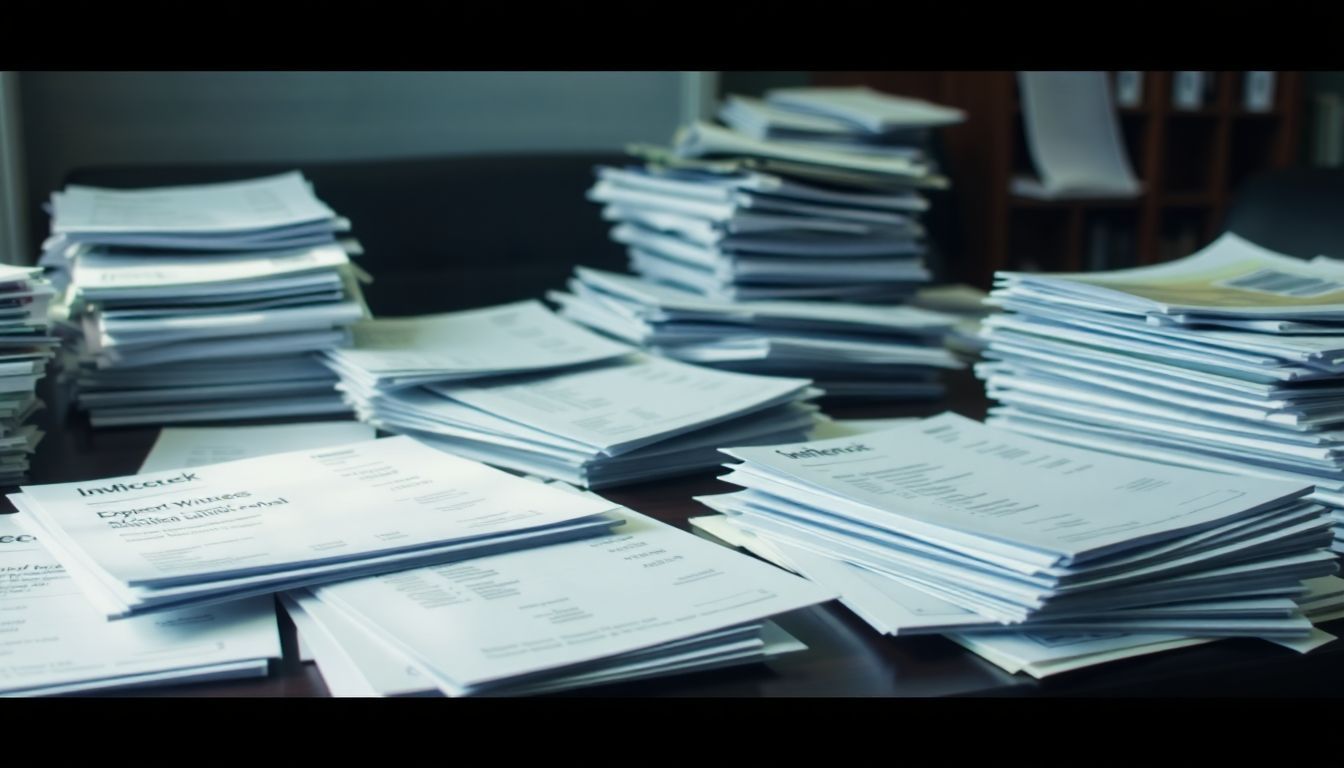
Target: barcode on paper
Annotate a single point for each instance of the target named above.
(1283, 283)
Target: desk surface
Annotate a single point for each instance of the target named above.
(845, 657)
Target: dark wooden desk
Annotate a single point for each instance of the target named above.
(845, 657)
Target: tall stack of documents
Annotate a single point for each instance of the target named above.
(849, 350)
(1230, 360)
(203, 303)
(647, 600)
(519, 387)
(218, 533)
(26, 345)
(946, 525)
(810, 193)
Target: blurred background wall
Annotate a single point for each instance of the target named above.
(72, 119)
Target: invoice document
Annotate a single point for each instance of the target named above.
(951, 473)
(619, 408)
(493, 619)
(272, 513)
(355, 663)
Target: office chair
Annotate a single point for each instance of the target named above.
(1295, 211)
(441, 233)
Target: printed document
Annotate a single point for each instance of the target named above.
(952, 473)
(492, 619)
(620, 408)
(1073, 135)
(272, 513)
(185, 447)
(271, 202)
(52, 640)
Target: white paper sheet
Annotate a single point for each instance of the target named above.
(184, 447)
(620, 408)
(511, 338)
(953, 473)
(270, 202)
(54, 639)
(494, 619)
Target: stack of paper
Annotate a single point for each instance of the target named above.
(893, 608)
(217, 533)
(204, 302)
(646, 601)
(849, 350)
(518, 387)
(55, 642)
(185, 447)
(26, 344)
(831, 210)
(947, 525)
(1230, 360)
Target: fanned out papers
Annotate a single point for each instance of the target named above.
(26, 345)
(203, 303)
(810, 194)
(532, 392)
(55, 642)
(1230, 360)
(648, 600)
(849, 350)
(459, 629)
(222, 532)
(949, 526)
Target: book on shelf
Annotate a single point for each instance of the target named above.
(1128, 88)
(1258, 91)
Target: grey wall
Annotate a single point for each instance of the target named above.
(73, 119)
(757, 83)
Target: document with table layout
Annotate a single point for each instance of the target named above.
(53, 641)
(500, 619)
(354, 663)
(616, 409)
(953, 473)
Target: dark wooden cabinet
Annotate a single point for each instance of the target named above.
(1189, 160)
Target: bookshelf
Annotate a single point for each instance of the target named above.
(1189, 160)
